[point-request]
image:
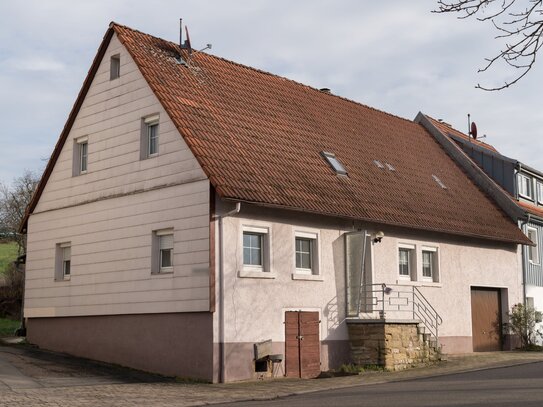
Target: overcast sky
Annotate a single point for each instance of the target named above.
(394, 55)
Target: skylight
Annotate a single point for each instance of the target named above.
(390, 167)
(439, 182)
(378, 164)
(334, 163)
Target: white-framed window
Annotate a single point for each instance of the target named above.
(430, 264)
(406, 261)
(115, 67)
(533, 251)
(80, 156)
(525, 186)
(63, 262)
(539, 192)
(149, 136)
(253, 249)
(162, 248)
(255, 242)
(306, 253)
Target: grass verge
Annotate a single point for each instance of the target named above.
(8, 327)
(8, 253)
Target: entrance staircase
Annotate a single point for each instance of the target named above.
(393, 326)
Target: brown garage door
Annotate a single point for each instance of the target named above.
(486, 319)
(302, 344)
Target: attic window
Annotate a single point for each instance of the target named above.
(378, 164)
(115, 67)
(439, 182)
(334, 163)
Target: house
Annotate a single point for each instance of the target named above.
(202, 218)
(521, 191)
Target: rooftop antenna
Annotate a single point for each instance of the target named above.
(472, 129)
(186, 44)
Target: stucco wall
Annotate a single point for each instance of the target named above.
(255, 307)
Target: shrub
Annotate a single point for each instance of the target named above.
(523, 323)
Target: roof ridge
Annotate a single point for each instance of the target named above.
(261, 71)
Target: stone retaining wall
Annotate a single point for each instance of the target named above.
(393, 345)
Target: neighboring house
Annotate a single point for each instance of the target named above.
(522, 184)
(194, 208)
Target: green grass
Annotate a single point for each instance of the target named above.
(8, 327)
(8, 253)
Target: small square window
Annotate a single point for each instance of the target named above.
(533, 251)
(80, 156)
(63, 266)
(162, 251)
(255, 252)
(539, 192)
(407, 268)
(334, 162)
(427, 264)
(405, 260)
(83, 157)
(253, 249)
(304, 253)
(149, 136)
(525, 187)
(115, 67)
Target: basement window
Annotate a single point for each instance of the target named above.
(336, 165)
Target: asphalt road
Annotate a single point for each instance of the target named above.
(511, 386)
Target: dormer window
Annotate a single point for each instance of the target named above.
(336, 165)
(115, 67)
(525, 188)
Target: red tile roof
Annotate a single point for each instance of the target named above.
(258, 137)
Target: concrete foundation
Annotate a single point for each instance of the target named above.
(176, 344)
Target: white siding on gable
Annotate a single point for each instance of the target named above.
(109, 214)
(110, 117)
(111, 255)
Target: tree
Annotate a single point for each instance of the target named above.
(518, 22)
(14, 199)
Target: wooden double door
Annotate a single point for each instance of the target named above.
(302, 344)
(486, 319)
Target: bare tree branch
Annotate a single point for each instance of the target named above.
(14, 199)
(519, 22)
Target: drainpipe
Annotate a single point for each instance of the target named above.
(524, 259)
(222, 356)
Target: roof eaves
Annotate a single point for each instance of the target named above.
(521, 238)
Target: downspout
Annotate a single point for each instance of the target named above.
(524, 259)
(222, 356)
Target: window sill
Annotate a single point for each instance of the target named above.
(526, 197)
(307, 277)
(255, 274)
(160, 273)
(67, 278)
(419, 283)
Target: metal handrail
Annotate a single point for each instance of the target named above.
(383, 299)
